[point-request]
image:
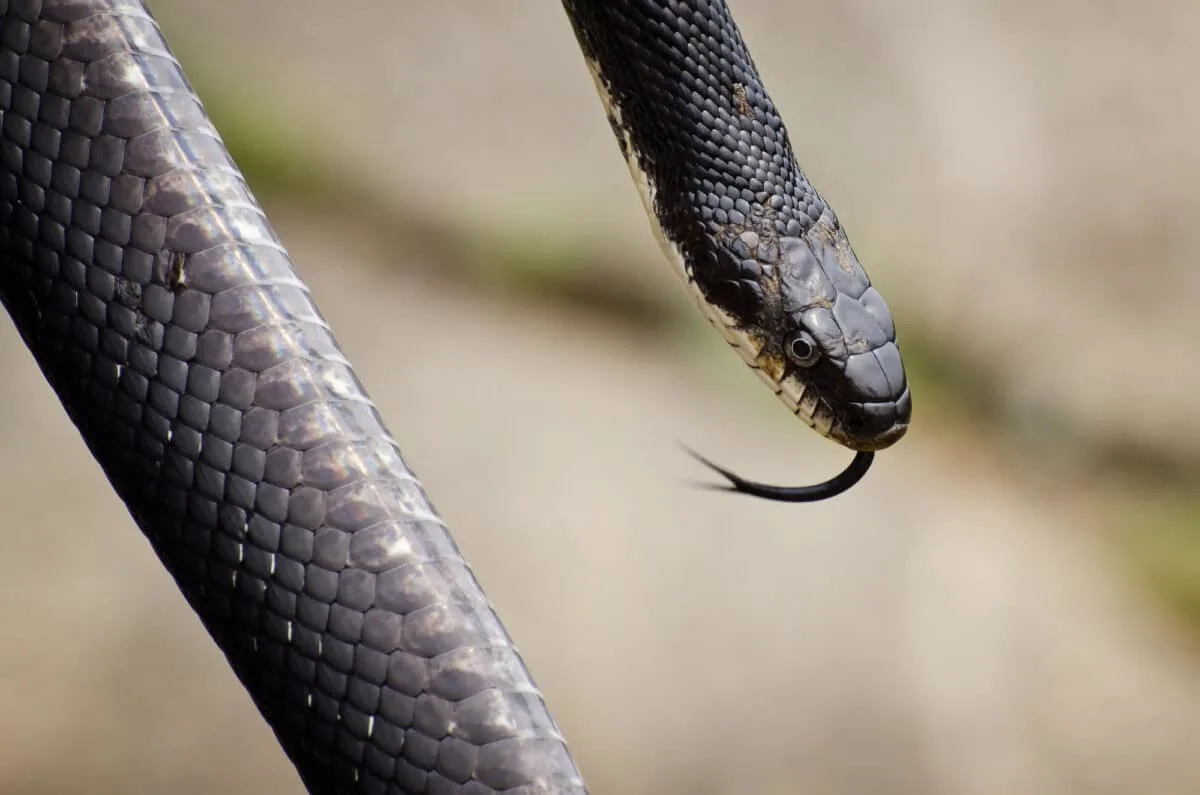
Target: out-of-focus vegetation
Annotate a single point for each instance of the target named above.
(1158, 532)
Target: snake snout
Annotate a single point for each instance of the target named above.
(879, 407)
(875, 426)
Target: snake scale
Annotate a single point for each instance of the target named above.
(162, 308)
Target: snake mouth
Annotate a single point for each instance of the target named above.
(874, 444)
(876, 425)
(862, 427)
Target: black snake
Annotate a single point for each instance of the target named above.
(163, 310)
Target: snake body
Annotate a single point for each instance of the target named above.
(164, 311)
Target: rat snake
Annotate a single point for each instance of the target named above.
(163, 310)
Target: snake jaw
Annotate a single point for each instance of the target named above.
(873, 444)
(859, 425)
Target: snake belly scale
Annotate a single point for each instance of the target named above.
(160, 305)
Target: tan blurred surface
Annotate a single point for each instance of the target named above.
(934, 631)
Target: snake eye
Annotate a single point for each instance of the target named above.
(802, 349)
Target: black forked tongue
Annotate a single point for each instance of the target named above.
(821, 491)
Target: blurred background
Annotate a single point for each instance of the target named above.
(1010, 601)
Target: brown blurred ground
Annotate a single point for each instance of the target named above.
(942, 629)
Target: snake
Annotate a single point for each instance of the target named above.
(163, 310)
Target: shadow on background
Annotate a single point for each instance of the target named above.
(1006, 604)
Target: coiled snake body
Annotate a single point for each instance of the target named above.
(143, 276)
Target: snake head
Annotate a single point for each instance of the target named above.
(832, 353)
(803, 314)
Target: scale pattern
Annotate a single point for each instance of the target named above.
(706, 131)
(163, 310)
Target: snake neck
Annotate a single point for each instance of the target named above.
(702, 138)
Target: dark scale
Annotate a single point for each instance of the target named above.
(709, 136)
(163, 310)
